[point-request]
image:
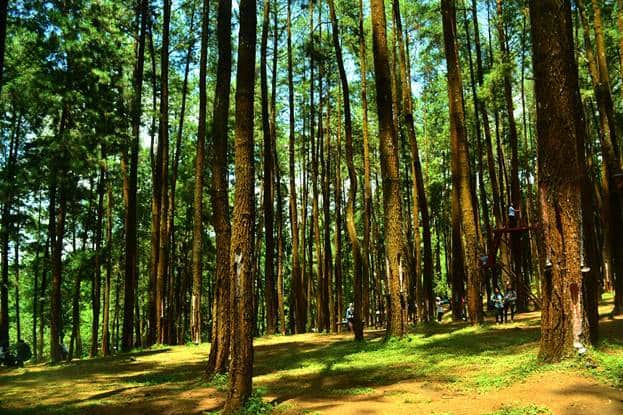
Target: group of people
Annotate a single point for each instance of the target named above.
(504, 303)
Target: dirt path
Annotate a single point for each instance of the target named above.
(563, 394)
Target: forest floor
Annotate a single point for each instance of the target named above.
(439, 369)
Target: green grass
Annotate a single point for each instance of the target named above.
(452, 357)
(522, 410)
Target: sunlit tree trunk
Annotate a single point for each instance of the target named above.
(367, 187)
(460, 165)
(242, 250)
(559, 110)
(416, 169)
(388, 148)
(268, 202)
(221, 330)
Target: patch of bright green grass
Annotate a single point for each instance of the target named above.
(522, 410)
(352, 391)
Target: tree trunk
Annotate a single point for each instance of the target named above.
(388, 148)
(358, 315)
(174, 290)
(57, 269)
(515, 193)
(339, 303)
(9, 176)
(613, 203)
(620, 29)
(18, 320)
(97, 276)
(162, 274)
(218, 361)
(242, 250)
(268, 202)
(367, 187)
(131, 254)
(297, 272)
(106, 349)
(3, 23)
(416, 170)
(460, 165)
(559, 109)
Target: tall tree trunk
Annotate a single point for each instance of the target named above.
(97, 276)
(197, 244)
(559, 109)
(106, 349)
(35, 288)
(131, 254)
(9, 177)
(367, 187)
(277, 174)
(298, 284)
(221, 330)
(18, 320)
(460, 165)
(620, 29)
(515, 192)
(242, 250)
(416, 169)
(339, 303)
(482, 108)
(173, 286)
(388, 148)
(268, 202)
(163, 169)
(3, 23)
(613, 206)
(57, 269)
(352, 178)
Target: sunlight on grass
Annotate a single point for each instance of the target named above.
(451, 358)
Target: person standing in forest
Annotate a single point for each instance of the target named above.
(510, 300)
(497, 299)
(512, 216)
(350, 317)
(440, 310)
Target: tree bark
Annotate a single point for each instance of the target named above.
(197, 244)
(460, 165)
(106, 349)
(221, 330)
(559, 109)
(131, 256)
(613, 206)
(419, 193)
(367, 187)
(97, 276)
(9, 176)
(174, 286)
(3, 24)
(268, 202)
(388, 148)
(242, 249)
